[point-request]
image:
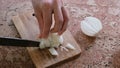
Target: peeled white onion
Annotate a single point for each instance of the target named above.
(91, 26)
(53, 40)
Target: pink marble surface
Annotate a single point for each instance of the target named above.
(99, 52)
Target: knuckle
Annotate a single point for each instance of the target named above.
(47, 4)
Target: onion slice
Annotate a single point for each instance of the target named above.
(53, 52)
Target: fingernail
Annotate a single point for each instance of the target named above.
(52, 30)
(59, 33)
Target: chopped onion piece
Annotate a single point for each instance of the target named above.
(69, 46)
(64, 48)
(53, 51)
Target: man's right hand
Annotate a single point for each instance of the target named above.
(43, 12)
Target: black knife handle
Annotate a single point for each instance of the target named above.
(18, 42)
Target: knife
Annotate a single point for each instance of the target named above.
(7, 41)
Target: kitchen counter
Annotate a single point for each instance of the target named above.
(98, 52)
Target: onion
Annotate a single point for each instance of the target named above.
(69, 46)
(53, 52)
(54, 40)
(91, 26)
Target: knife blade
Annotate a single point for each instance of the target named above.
(7, 41)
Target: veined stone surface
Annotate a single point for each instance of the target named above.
(100, 52)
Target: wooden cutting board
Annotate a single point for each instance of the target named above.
(28, 28)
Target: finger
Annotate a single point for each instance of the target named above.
(38, 15)
(40, 22)
(47, 18)
(66, 19)
(58, 20)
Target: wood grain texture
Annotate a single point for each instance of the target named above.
(28, 28)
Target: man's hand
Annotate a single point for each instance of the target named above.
(43, 12)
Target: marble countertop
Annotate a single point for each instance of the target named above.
(99, 52)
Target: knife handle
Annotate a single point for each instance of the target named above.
(18, 42)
